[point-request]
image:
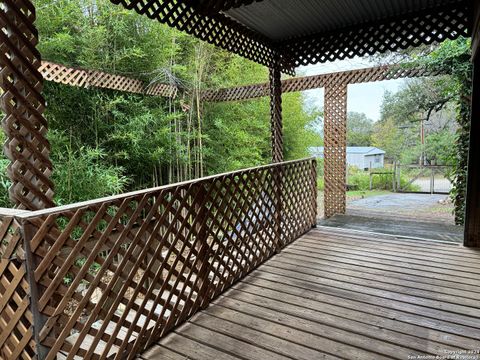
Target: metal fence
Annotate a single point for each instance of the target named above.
(431, 179)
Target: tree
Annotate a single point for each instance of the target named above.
(118, 141)
(359, 129)
(451, 57)
(389, 138)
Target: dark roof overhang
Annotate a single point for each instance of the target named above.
(305, 32)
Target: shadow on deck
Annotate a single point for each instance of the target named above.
(334, 293)
(397, 225)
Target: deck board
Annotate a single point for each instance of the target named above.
(396, 224)
(341, 293)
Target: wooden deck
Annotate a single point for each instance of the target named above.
(396, 225)
(340, 294)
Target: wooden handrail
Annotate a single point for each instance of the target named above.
(29, 214)
(109, 277)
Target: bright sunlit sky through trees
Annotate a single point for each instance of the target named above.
(364, 98)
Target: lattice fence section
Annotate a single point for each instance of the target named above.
(335, 136)
(379, 73)
(23, 105)
(88, 78)
(16, 320)
(237, 93)
(114, 275)
(298, 188)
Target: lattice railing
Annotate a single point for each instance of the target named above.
(16, 320)
(115, 274)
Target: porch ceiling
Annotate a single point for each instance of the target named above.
(305, 32)
(285, 19)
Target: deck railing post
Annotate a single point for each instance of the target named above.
(472, 201)
(201, 241)
(22, 103)
(278, 188)
(276, 111)
(39, 319)
(277, 144)
(314, 191)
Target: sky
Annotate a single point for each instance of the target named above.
(365, 98)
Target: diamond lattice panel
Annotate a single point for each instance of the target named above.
(335, 136)
(378, 73)
(216, 29)
(16, 320)
(433, 25)
(87, 78)
(22, 103)
(117, 274)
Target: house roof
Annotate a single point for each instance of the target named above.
(364, 150)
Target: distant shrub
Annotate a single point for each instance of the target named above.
(360, 180)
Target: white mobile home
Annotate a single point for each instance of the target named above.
(363, 157)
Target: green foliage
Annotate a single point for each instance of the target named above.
(438, 148)
(237, 135)
(298, 127)
(360, 180)
(388, 137)
(4, 184)
(106, 142)
(82, 174)
(320, 174)
(359, 129)
(320, 183)
(453, 57)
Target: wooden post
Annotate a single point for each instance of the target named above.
(399, 177)
(21, 83)
(315, 191)
(202, 246)
(432, 180)
(39, 319)
(276, 112)
(335, 153)
(277, 146)
(394, 174)
(472, 201)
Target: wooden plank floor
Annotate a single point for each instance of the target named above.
(335, 293)
(395, 225)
